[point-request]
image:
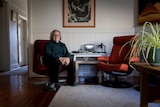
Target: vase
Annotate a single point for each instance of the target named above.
(155, 62)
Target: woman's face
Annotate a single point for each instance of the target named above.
(56, 36)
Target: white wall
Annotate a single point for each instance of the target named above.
(21, 8)
(4, 38)
(113, 18)
(8, 39)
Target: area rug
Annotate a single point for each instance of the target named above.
(17, 71)
(96, 96)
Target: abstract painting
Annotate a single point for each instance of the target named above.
(78, 13)
(149, 10)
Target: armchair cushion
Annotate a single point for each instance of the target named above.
(112, 67)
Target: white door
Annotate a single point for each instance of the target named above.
(22, 41)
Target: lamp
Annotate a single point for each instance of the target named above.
(103, 47)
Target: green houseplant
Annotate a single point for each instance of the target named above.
(147, 44)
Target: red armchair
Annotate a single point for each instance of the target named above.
(38, 66)
(116, 64)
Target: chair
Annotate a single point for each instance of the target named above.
(38, 66)
(116, 64)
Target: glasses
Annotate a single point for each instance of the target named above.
(57, 35)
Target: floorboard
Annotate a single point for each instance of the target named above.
(21, 91)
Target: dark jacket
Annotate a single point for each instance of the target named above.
(55, 50)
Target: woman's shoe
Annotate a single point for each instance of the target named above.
(51, 86)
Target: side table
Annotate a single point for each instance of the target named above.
(85, 58)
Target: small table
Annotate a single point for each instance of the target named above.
(82, 62)
(85, 58)
(147, 93)
(87, 55)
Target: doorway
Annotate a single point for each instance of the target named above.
(22, 41)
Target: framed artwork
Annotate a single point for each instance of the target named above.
(149, 10)
(78, 13)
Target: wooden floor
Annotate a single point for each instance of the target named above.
(21, 91)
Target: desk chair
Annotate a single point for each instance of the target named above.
(116, 64)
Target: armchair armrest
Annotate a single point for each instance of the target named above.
(135, 59)
(132, 60)
(103, 58)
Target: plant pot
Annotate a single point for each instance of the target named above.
(155, 62)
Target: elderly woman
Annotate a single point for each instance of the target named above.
(57, 56)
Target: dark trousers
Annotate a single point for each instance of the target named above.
(56, 66)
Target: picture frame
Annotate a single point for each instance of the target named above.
(148, 11)
(78, 13)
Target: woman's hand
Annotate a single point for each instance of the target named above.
(64, 60)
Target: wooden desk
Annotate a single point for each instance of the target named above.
(148, 93)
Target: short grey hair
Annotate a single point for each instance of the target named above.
(52, 33)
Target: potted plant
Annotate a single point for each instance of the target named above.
(147, 44)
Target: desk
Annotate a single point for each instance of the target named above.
(87, 55)
(148, 93)
(85, 58)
